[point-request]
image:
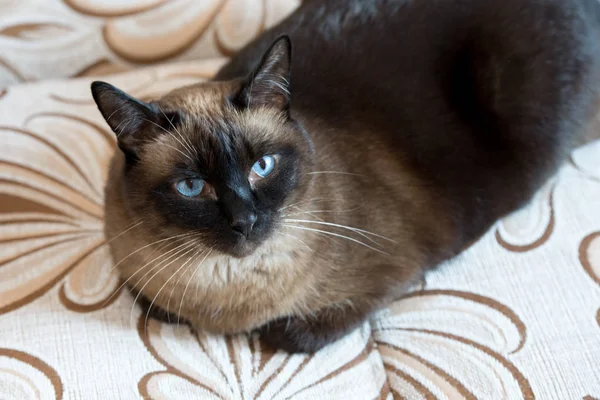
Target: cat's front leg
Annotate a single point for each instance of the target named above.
(309, 334)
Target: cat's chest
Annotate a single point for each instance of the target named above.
(260, 271)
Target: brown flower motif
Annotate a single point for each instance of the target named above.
(451, 344)
(154, 30)
(589, 255)
(204, 366)
(24, 377)
(98, 37)
(103, 8)
(149, 83)
(51, 218)
(20, 38)
(531, 226)
(585, 159)
(429, 342)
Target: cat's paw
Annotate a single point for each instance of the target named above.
(295, 335)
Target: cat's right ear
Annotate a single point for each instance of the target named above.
(269, 84)
(126, 116)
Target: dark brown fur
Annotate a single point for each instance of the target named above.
(420, 123)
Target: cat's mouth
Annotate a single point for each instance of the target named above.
(240, 245)
(243, 248)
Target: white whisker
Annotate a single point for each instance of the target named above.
(188, 284)
(357, 230)
(189, 261)
(352, 230)
(189, 250)
(312, 201)
(298, 239)
(152, 244)
(177, 256)
(336, 235)
(323, 211)
(125, 231)
(304, 213)
(146, 265)
(178, 249)
(334, 172)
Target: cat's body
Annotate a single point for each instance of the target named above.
(414, 125)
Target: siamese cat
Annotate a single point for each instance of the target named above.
(342, 154)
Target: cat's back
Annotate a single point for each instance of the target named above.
(382, 56)
(430, 76)
(482, 99)
(345, 51)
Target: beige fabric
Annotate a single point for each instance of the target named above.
(64, 38)
(517, 316)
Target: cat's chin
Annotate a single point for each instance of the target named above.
(243, 248)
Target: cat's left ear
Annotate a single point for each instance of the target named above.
(269, 84)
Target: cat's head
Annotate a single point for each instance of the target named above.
(217, 160)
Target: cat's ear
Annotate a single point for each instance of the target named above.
(127, 117)
(269, 84)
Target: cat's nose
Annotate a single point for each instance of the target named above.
(239, 210)
(243, 223)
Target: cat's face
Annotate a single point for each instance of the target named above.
(214, 161)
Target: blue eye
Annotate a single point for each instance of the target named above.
(190, 187)
(264, 166)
